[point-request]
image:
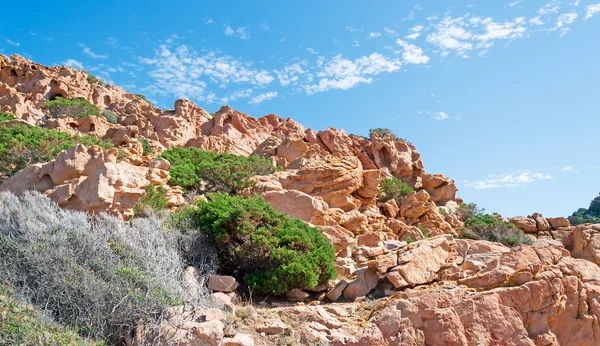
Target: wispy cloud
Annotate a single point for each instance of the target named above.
(567, 169)
(342, 73)
(265, 26)
(592, 10)
(263, 97)
(438, 115)
(354, 29)
(113, 42)
(13, 43)
(373, 35)
(240, 32)
(87, 51)
(508, 180)
(415, 32)
(208, 21)
(73, 63)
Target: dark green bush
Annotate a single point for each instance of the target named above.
(21, 146)
(22, 324)
(110, 116)
(154, 200)
(143, 98)
(75, 108)
(4, 116)
(481, 226)
(146, 147)
(269, 250)
(393, 188)
(198, 170)
(97, 275)
(583, 215)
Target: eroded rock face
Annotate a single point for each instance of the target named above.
(91, 179)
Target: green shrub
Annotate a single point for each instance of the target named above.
(94, 80)
(110, 116)
(269, 250)
(4, 116)
(22, 324)
(583, 215)
(384, 133)
(154, 200)
(197, 170)
(75, 108)
(488, 227)
(21, 146)
(146, 147)
(98, 275)
(393, 188)
(144, 98)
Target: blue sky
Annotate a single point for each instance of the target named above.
(502, 96)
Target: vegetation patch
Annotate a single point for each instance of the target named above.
(385, 133)
(481, 226)
(146, 147)
(583, 215)
(21, 146)
(99, 276)
(269, 250)
(198, 170)
(22, 324)
(4, 116)
(110, 116)
(393, 188)
(154, 200)
(75, 108)
(94, 80)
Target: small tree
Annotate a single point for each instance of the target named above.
(146, 147)
(393, 188)
(110, 116)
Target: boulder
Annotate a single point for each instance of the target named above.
(525, 223)
(541, 223)
(558, 222)
(222, 283)
(366, 280)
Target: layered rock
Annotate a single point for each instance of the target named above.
(91, 179)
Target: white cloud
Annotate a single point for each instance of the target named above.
(240, 32)
(508, 180)
(567, 169)
(441, 116)
(390, 32)
(341, 73)
(91, 54)
(536, 21)
(113, 42)
(208, 21)
(311, 50)
(565, 19)
(182, 72)
(13, 43)
(291, 74)
(73, 63)
(515, 3)
(265, 26)
(374, 35)
(592, 10)
(355, 43)
(353, 29)
(240, 94)
(263, 97)
(412, 54)
(452, 34)
(550, 7)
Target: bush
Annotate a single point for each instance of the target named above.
(269, 250)
(384, 133)
(489, 227)
(154, 200)
(75, 108)
(21, 146)
(393, 188)
(4, 116)
(110, 116)
(195, 169)
(146, 147)
(143, 98)
(583, 215)
(94, 80)
(22, 324)
(99, 276)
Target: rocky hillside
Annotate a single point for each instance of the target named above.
(413, 264)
